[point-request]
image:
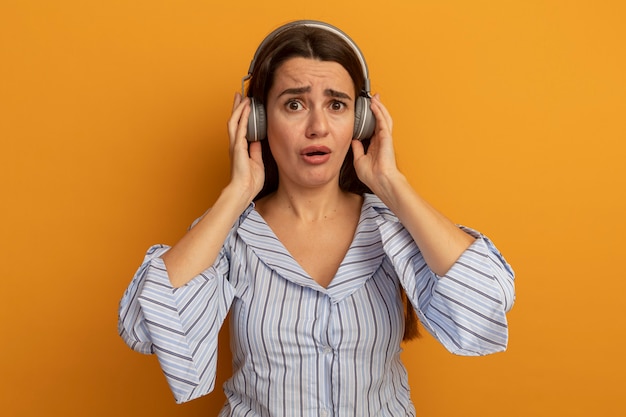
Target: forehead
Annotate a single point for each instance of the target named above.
(308, 72)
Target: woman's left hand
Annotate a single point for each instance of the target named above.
(378, 166)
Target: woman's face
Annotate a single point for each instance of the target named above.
(310, 121)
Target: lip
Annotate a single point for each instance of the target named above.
(315, 154)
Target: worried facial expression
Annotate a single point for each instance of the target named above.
(310, 120)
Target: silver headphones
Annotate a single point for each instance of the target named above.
(364, 120)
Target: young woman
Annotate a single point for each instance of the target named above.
(314, 247)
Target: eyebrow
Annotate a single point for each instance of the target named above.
(328, 92)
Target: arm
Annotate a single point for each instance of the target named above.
(181, 325)
(440, 241)
(464, 294)
(465, 310)
(199, 248)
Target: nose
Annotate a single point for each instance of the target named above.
(317, 123)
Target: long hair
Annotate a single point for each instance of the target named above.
(315, 43)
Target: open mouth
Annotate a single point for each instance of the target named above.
(315, 153)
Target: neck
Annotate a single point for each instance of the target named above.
(310, 204)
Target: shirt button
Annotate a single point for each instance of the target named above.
(327, 350)
(324, 413)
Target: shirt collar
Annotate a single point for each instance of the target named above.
(361, 261)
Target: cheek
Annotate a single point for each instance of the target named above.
(278, 144)
(348, 128)
(277, 124)
(275, 129)
(348, 123)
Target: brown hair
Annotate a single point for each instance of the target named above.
(315, 43)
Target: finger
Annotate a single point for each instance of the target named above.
(242, 126)
(256, 153)
(357, 149)
(383, 112)
(238, 106)
(381, 121)
(236, 100)
(236, 119)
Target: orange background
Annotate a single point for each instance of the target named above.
(509, 117)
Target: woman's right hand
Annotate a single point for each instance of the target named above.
(247, 172)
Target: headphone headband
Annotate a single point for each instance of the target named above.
(313, 24)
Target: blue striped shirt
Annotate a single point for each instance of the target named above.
(302, 349)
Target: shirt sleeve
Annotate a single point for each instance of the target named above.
(466, 308)
(179, 325)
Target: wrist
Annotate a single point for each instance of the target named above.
(236, 197)
(389, 186)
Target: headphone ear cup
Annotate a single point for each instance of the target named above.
(257, 122)
(364, 120)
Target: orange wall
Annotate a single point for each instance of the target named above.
(509, 116)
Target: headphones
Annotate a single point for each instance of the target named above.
(364, 120)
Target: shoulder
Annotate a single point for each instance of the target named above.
(374, 206)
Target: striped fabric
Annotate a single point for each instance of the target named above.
(303, 350)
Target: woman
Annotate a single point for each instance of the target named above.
(313, 271)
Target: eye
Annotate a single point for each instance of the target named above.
(293, 105)
(337, 105)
